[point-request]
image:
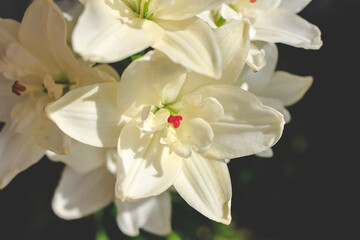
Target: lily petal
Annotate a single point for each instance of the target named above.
(17, 153)
(39, 35)
(191, 43)
(247, 127)
(8, 33)
(153, 73)
(152, 214)
(89, 114)
(107, 31)
(7, 99)
(206, 186)
(285, 27)
(179, 10)
(82, 158)
(146, 167)
(79, 195)
(294, 6)
(287, 87)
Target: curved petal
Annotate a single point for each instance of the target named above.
(17, 153)
(43, 33)
(234, 43)
(146, 167)
(9, 30)
(206, 186)
(268, 153)
(7, 99)
(247, 127)
(277, 105)
(288, 28)
(109, 32)
(78, 195)
(82, 158)
(259, 81)
(287, 88)
(152, 214)
(151, 80)
(294, 6)
(89, 114)
(191, 43)
(183, 9)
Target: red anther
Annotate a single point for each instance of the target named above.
(17, 88)
(252, 1)
(175, 120)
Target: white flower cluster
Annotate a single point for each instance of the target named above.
(206, 91)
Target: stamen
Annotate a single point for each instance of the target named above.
(175, 120)
(252, 1)
(17, 88)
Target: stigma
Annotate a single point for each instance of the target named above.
(175, 120)
(252, 1)
(17, 88)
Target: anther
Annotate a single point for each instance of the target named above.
(17, 88)
(175, 120)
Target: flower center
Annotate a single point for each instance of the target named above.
(175, 120)
(252, 1)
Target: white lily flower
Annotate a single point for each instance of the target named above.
(274, 21)
(37, 67)
(109, 31)
(173, 128)
(87, 185)
(277, 89)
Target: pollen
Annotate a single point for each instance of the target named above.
(17, 88)
(175, 120)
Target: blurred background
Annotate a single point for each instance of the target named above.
(306, 191)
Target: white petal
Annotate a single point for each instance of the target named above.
(82, 158)
(287, 87)
(89, 114)
(234, 43)
(17, 153)
(284, 27)
(110, 33)
(43, 33)
(256, 58)
(277, 105)
(184, 9)
(8, 33)
(152, 214)
(7, 99)
(192, 44)
(206, 186)
(268, 153)
(258, 81)
(294, 6)
(151, 80)
(146, 167)
(79, 195)
(247, 127)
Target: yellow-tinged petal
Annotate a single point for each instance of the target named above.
(146, 167)
(79, 195)
(247, 126)
(89, 114)
(205, 184)
(108, 31)
(152, 214)
(17, 153)
(191, 43)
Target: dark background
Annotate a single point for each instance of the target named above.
(306, 191)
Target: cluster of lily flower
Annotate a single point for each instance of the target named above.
(201, 89)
